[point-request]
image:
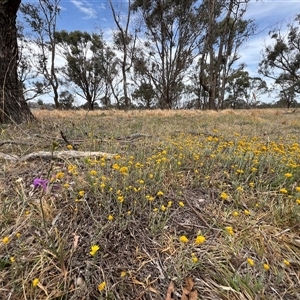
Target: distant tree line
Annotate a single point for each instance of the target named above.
(164, 54)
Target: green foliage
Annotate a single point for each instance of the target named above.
(87, 62)
(66, 99)
(242, 89)
(281, 61)
(145, 94)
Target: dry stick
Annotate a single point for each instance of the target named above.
(195, 211)
(57, 155)
(66, 140)
(3, 142)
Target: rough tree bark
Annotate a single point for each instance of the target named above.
(13, 107)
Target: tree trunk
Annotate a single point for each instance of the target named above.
(13, 107)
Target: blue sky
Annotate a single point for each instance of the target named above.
(88, 15)
(92, 15)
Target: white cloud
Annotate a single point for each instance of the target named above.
(85, 8)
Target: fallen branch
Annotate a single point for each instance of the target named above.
(3, 142)
(56, 155)
(9, 156)
(132, 138)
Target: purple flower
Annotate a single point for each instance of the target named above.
(40, 182)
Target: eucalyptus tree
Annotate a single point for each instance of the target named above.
(13, 107)
(110, 69)
(237, 88)
(243, 90)
(66, 99)
(171, 34)
(86, 56)
(125, 42)
(226, 31)
(42, 18)
(281, 60)
(144, 94)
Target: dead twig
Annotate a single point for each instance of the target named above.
(3, 142)
(67, 141)
(132, 137)
(195, 211)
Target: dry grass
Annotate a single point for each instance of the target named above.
(214, 196)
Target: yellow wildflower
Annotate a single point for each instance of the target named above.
(123, 274)
(288, 175)
(298, 188)
(59, 175)
(246, 212)
(251, 184)
(183, 239)
(224, 196)
(239, 189)
(180, 203)
(160, 193)
(286, 262)
(110, 217)
(72, 169)
(298, 201)
(250, 262)
(121, 199)
(5, 240)
(123, 170)
(101, 286)
(116, 167)
(194, 258)
(94, 249)
(283, 191)
(66, 185)
(93, 172)
(170, 203)
(70, 147)
(266, 267)
(235, 214)
(155, 209)
(149, 198)
(229, 230)
(200, 239)
(81, 193)
(163, 208)
(35, 282)
(12, 259)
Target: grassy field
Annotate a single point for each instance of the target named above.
(213, 197)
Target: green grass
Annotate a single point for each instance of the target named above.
(232, 179)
